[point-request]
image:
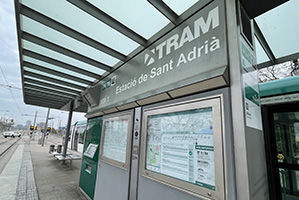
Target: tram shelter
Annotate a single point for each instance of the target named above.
(136, 64)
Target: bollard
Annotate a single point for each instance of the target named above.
(59, 147)
(52, 147)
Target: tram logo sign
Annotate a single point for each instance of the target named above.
(177, 40)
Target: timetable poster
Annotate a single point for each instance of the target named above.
(115, 139)
(180, 145)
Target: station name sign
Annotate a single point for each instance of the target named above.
(196, 46)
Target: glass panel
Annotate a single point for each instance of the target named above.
(58, 38)
(83, 23)
(289, 182)
(181, 145)
(287, 136)
(279, 26)
(179, 6)
(55, 77)
(135, 14)
(54, 67)
(52, 83)
(53, 54)
(261, 56)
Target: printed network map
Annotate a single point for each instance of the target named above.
(174, 141)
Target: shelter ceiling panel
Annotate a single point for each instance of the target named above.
(136, 14)
(44, 104)
(179, 6)
(52, 80)
(51, 76)
(260, 53)
(55, 62)
(42, 88)
(55, 72)
(42, 94)
(89, 26)
(48, 84)
(58, 56)
(279, 26)
(58, 38)
(67, 52)
(56, 68)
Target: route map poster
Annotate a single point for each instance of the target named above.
(180, 145)
(115, 139)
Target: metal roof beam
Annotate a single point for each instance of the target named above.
(55, 47)
(49, 85)
(102, 16)
(43, 104)
(43, 94)
(59, 63)
(279, 60)
(42, 77)
(165, 10)
(32, 14)
(260, 37)
(54, 72)
(35, 87)
(46, 100)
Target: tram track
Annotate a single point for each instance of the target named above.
(6, 141)
(9, 147)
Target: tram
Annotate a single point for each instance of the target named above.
(76, 139)
(280, 110)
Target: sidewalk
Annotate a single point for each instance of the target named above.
(32, 173)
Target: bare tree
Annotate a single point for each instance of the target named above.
(279, 71)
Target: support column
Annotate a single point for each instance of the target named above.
(33, 132)
(45, 129)
(249, 151)
(67, 134)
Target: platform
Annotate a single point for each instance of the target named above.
(32, 173)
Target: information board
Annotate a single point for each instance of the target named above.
(115, 139)
(90, 151)
(181, 145)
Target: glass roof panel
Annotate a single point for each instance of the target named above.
(56, 68)
(138, 15)
(29, 84)
(280, 28)
(58, 56)
(179, 6)
(56, 37)
(261, 55)
(84, 23)
(54, 76)
(48, 82)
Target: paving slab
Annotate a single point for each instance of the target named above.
(10, 175)
(54, 180)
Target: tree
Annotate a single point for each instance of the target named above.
(279, 71)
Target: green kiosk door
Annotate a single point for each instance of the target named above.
(90, 156)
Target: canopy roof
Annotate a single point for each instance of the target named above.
(68, 46)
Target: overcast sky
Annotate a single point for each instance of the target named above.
(12, 105)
